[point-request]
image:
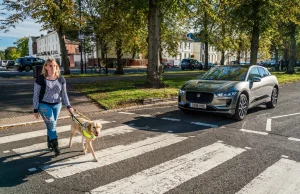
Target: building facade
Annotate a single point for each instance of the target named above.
(48, 47)
(32, 46)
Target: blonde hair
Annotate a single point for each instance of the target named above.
(48, 62)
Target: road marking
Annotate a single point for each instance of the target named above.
(127, 113)
(42, 147)
(5, 152)
(32, 169)
(49, 180)
(248, 148)
(268, 125)
(284, 156)
(293, 139)
(148, 116)
(285, 115)
(168, 175)
(110, 155)
(43, 132)
(281, 177)
(170, 119)
(256, 132)
(204, 124)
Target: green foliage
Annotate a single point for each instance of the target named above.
(22, 46)
(12, 53)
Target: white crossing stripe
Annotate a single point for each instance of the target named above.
(168, 175)
(256, 132)
(170, 119)
(42, 147)
(204, 124)
(27, 135)
(110, 155)
(281, 178)
(127, 113)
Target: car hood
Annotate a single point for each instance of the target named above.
(209, 85)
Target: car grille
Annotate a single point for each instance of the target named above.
(204, 97)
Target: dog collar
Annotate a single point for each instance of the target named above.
(85, 133)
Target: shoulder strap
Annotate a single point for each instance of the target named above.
(41, 80)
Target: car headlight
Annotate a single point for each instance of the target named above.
(227, 94)
(182, 92)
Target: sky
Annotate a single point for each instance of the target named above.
(27, 28)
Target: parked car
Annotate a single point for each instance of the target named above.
(3, 63)
(27, 63)
(10, 64)
(176, 63)
(191, 64)
(230, 89)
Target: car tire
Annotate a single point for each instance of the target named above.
(274, 99)
(20, 70)
(241, 107)
(182, 69)
(27, 68)
(192, 67)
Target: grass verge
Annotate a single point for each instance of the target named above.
(124, 93)
(118, 94)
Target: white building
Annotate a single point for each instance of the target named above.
(48, 47)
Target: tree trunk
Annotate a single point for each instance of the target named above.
(255, 34)
(119, 54)
(154, 22)
(276, 55)
(206, 41)
(239, 57)
(206, 55)
(63, 51)
(292, 61)
(222, 57)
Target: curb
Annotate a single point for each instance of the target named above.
(2, 127)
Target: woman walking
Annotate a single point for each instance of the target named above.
(49, 89)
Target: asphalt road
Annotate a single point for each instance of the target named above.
(160, 149)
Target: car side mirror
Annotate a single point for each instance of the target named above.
(256, 79)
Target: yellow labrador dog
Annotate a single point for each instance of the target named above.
(89, 130)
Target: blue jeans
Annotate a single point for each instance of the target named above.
(50, 113)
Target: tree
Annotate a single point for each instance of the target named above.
(22, 46)
(2, 55)
(12, 53)
(254, 18)
(57, 15)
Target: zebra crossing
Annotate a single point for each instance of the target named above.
(282, 176)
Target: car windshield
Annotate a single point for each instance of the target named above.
(229, 73)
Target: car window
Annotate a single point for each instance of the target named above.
(267, 73)
(29, 60)
(254, 73)
(262, 72)
(230, 73)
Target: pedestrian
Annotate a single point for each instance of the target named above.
(49, 90)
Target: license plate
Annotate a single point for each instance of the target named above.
(196, 105)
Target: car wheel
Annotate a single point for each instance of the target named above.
(182, 69)
(274, 99)
(192, 67)
(20, 70)
(27, 68)
(241, 107)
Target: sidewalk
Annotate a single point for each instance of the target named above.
(30, 119)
